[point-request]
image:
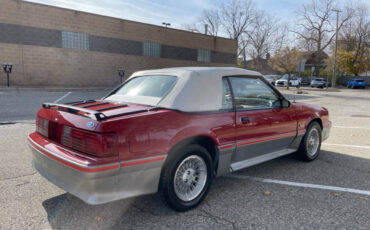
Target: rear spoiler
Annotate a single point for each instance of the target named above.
(93, 114)
(96, 115)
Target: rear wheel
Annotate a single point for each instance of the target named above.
(309, 148)
(187, 178)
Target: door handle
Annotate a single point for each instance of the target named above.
(245, 120)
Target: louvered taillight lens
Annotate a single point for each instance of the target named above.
(97, 144)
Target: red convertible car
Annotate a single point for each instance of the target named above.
(172, 130)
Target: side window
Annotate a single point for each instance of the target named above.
(227, 101)
(252, 93)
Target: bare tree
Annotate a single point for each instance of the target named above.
(317, 24)
(213, 20)
(237, 18)
(243, 44)
(307, 44)
(281, 37)
(355, 41)
(267, 37)
(258, 34)
(286, 61)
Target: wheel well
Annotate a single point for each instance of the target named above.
(204, 141)
(318, 120)
(208, 144)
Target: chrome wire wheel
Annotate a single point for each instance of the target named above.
(190, 178)
(313, 142)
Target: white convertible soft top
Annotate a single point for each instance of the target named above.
(197, 88)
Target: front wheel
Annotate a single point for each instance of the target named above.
(187, 178)
(309, 148)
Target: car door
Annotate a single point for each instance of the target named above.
(263, 126)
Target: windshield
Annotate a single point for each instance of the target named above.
(144, 90)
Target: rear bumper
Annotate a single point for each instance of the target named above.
(318, 85)
(98, 184)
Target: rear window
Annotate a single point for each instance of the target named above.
(144, 89)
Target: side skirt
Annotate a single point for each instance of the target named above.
(260, 159)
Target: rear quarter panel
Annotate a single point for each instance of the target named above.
(157, 132)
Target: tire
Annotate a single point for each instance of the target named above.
(304, 152)
(171, 193)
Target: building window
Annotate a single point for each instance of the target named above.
(204, 55)
(151, 49)
(74, 40)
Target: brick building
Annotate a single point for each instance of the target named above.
(61, 47)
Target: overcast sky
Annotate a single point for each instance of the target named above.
(176, 12)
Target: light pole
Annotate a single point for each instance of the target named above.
(7, 69)
(335, 52)
(166, 24)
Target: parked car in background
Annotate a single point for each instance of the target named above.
(271, 78)
(306, 80)
(356, 83)
(319, 83)
(294, 80)
(171, 130)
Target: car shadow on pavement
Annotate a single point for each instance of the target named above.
(69, 212)
(149, 212)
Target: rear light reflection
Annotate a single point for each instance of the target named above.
(42, 126)
(97, 144)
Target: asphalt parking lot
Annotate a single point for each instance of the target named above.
(332, 192)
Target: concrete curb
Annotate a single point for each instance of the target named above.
(306, 89)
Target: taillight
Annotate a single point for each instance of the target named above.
(97, 144)
(42, 126)
(46, 128)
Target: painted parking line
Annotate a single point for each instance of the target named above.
(302, 185)
(61, 98)
(343, 145)
(349, 127)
